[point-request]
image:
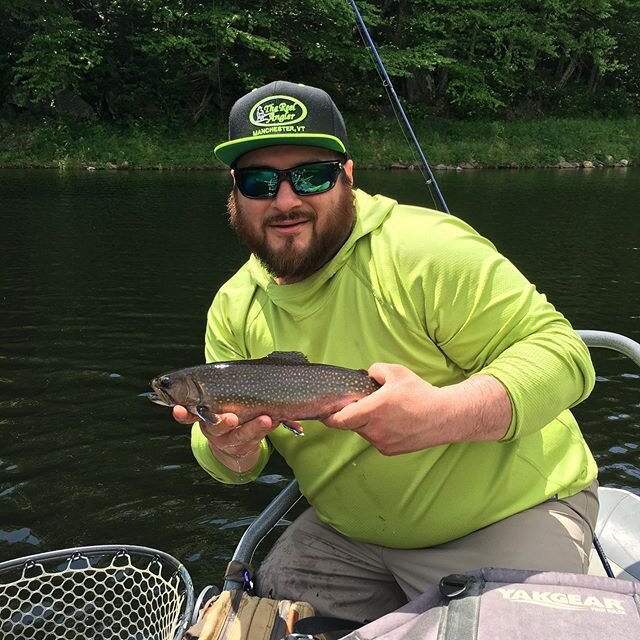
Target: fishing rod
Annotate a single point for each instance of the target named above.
(396, 102)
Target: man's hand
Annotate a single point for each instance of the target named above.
(236, 445)
(408, 414)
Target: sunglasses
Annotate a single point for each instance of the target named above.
(306, 179)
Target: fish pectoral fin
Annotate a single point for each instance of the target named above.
(292, 426)
(204, 413)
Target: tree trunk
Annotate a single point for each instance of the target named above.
(442, 80)
(594, 78)
(568, 72)
(402, 12)
(213, 81)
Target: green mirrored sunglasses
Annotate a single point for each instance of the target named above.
(306, 179)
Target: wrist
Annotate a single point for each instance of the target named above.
(240, 460)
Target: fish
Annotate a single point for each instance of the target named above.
(283, 385)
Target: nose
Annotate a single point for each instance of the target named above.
(286, 198)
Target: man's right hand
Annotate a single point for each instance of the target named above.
(235, 445)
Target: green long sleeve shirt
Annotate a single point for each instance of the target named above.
(420, 288)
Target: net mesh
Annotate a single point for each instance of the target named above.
(113, 595)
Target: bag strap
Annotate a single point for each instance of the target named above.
(241, 573)
(313, 625)
(460, 616)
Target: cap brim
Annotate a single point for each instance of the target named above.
(229, 152)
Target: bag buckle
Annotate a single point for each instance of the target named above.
(455, 585)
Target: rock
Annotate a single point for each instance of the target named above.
(510, 165)
(567, 165)
(467, 165)
(587, 164)
(67, 103)
(441, 167)
(110, 165)
(622, 163)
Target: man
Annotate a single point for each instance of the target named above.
(467, 455)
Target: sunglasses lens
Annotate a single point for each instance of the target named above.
(314, 178)
(306, 179)
(257, 183)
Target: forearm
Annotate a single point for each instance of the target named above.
(477, 409)
(545, 373)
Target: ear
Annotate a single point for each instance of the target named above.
(348, 169)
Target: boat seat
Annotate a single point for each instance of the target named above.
(617, 529)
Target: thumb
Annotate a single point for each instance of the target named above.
(382, 371)
(183, 416)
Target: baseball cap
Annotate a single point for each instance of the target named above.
(283, 113)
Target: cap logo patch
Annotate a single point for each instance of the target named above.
(277, 110)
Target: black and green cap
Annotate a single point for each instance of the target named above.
(283, 113)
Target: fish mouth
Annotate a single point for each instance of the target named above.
(153, 396)
(158, 395)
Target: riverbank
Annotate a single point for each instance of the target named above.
(448, 145)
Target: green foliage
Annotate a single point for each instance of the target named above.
(58, 55)
(184, 59)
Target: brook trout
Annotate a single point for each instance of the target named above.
(283, 385)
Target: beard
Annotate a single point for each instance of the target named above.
(288, 262)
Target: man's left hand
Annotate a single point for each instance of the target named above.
(408, 414)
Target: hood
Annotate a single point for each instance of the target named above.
(371, 212)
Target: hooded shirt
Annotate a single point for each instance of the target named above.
(420, 288)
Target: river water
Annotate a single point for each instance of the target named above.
(105, 279)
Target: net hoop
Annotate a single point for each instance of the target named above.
(114, 592)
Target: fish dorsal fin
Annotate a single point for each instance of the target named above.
(286, 357)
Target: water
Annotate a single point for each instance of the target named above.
(105, 279)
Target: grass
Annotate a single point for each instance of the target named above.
(542, 142)
(526, 143)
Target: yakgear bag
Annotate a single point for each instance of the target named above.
(505, 604)
(236, 615)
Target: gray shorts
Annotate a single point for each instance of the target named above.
(344, 578)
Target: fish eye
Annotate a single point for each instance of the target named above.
(164, 381)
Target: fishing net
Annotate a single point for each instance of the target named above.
(105, 592)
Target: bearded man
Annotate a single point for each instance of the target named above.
(467, 456)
